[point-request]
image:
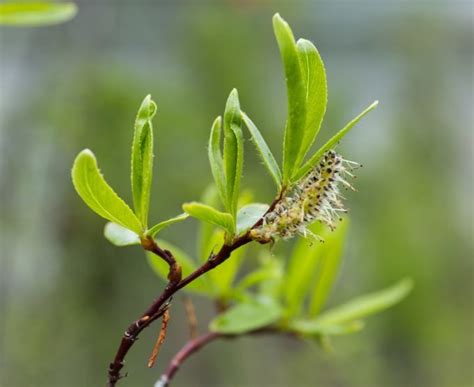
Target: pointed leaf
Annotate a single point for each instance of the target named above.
(98, 195)
(366, 305)
(36, 13)
(249, 215)
(314, 78)
(153, 231)
(329, 267)
(188, 265)
(263, 150)
(120, 236)
(255, 277)
(211, 215)
(142, 159)
(295, 124)
(314, 327)
(233, 151)
(302, 267)
(247, 316)
(331, 143)
(272, 287)
(215, 158)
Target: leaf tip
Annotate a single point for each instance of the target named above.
(86, 152)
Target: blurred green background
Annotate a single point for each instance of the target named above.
(66, 294)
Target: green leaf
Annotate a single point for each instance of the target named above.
(328, 267)
(314, 78)
(233, 151)
(302, 266)
(272, 287)
(120, 236)
(211, 215)
(255, 277)
(142, 159)
(215, 158)
(98, 195)
(331, 143)
(263, 150)
(153, 231)
(36, 14)
(295, 124)
(247, 316)
(366, 305)
(314, 327)
(188, 265)
(249, 215)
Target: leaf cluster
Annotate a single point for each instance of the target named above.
(286, 294)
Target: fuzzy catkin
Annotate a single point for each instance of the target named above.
(315, 198)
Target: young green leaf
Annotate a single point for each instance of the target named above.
(302, 266)
(233, 151)
(142, 159)
(98, 195)
(211, 215)
(36, 14)
(120, 236)
(328, 267)
(314, 327)
(263, 150)
(366, 305)
(255, 277)
(331, 143)
(215, 158)
(153, 231)
(247, 316)
(314, 78)
(188, 265)
(249, 215)
(295, 123)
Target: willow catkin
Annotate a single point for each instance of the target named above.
(316, 197)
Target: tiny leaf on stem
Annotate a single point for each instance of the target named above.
(98, 195)
(211, 215)
(153, 231)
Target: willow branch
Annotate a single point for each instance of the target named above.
(175, 283)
